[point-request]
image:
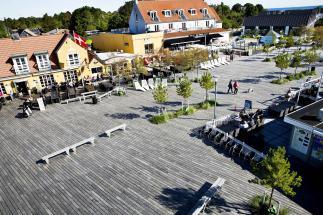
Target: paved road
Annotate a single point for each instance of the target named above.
(148, 169)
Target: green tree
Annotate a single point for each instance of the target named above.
(275, 173)
(139, 66)
(266, 49)
(311, 57)
(297, 60)
(125, 12)
(207, 83)
(3, 30)
(282, 62)
(289, 42)
(160, 94)
(185, 89)
(237, 8)
(250, 10)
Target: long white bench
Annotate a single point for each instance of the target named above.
(66, 150)
(120, 127)
(71, 100)
(90, 140)
(202, 202)
(109, 94)
(88, 94)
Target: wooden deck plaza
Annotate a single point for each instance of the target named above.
(147, 169)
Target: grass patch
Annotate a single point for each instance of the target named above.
(259, 206)
(293, 77)
(165, 117)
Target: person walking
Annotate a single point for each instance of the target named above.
(236, 87)
(230, 87)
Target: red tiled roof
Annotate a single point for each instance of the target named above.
(145, 6)
(194, 32)
(29, 46)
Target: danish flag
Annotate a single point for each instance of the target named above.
(79, 40)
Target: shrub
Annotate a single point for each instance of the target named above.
(189, 111)
(267, 59)
(259, 206)
(121, 93)
(159, 119)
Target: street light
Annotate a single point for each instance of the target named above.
(215, 92)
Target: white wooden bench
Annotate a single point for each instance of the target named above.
(90, 140)
(88, 94)
(109, 94)
(66, 150)
(72, 100)
(120, 127)
(202, 202)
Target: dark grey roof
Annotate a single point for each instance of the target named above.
(309, 114)
(293, 18)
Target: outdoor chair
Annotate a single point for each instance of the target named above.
(212, 134)
(138, 87)
(250, 156)
(237, 150)
(228, 144)
(144, 85)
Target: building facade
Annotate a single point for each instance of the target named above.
(157, 24)
(282, 20)
(306, 141)
(40, 61)
(140, 44)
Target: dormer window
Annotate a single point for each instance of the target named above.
(167, 13)
(180, 12)
(192, 12)
(20, 63)
(43, 62)
(205, 12)
(153, 16)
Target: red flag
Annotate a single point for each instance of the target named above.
(79, 40)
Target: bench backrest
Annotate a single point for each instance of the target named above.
(88, 93)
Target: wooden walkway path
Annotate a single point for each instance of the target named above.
(147, 169)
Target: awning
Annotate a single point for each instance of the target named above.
(20, 80)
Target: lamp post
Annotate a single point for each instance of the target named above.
(215, 92)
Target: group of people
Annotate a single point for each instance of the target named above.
(233, 87)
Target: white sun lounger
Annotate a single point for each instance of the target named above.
(221, 62)
(164, 83)
(157, 82)
(151, 83)
(144, 85)
(215, 63)
(225, 61)
(138, 87)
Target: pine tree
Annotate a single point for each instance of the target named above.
(275, 173)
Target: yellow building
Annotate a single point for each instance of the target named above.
(38, 62)
(140, 44)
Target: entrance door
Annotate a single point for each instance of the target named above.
(22, 87)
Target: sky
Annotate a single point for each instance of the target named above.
(37, 8)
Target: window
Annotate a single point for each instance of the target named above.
(156, 27)
(20, 65)
(153, 15)
(126, 44)
(207, 23)
(180, 12)
(73, 60)
(170, 26)
(70, 76)
(2, 89)
(192, 11)
(204, 12)
(43, 62)
(184, 25)
(96, 70)
(149, 48)
(46, 80)
(167, 13)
